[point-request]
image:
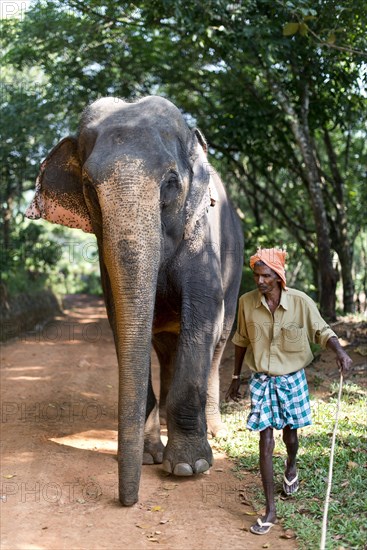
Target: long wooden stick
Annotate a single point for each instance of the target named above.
(326, 507)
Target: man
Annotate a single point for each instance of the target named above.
(275, 327)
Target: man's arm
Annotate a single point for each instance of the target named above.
(342, 358)
(233, 390)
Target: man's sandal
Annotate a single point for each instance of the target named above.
(261, 528)
(290, 487)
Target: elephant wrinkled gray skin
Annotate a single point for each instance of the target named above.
(170, 247)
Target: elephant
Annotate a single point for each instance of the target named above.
(171, 254)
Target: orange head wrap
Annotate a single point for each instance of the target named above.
(273, 258)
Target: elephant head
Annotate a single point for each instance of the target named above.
(137, 177)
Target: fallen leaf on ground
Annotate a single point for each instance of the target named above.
(9, 476)
(250, 513)
(169, 486)
(362, 350)
(288, 534)
(156, 509)
(352, 464)
(163, 521)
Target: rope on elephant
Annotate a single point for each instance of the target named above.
(330, 477)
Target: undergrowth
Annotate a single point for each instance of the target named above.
(303, 512)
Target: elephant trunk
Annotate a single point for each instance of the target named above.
(131, 253)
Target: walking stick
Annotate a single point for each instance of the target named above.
(330, 477)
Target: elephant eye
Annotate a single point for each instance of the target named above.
(170, 188)
(172, 178)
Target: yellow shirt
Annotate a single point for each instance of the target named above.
(280, 343)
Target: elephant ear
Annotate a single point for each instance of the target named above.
(202, 192)
(59, 191)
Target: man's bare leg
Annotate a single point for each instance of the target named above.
(266, 446)
(290, 438)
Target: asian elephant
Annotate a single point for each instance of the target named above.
(170, 247)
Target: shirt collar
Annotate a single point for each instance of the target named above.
(283, 300)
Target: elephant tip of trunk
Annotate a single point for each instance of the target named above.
(128, 500)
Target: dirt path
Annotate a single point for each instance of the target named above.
(59, 474)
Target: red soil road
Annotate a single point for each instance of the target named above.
(59, 474)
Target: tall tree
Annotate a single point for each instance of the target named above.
(305, 79)
(276, 86)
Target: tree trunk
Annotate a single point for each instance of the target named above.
(342, 243)
(327, 274)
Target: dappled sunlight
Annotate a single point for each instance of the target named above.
(29, 546)
(90, 394)
(11, 462)
(103, 441)
(29, 378)
(85, 317)
(22, 368)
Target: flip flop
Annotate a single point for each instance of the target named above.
(261, 528)
(290, 487)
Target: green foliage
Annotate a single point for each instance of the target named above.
(28, 258)
(40, 254)
(304, 511)
(227, 66)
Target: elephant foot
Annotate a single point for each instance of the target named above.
(188, 459)
(215, 426)
(219, 430)
(184, 469)
(153, 452)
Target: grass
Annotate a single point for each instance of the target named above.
(347, 518)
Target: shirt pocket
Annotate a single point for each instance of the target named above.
(293, 339)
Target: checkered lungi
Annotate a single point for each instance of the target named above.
(278, 401)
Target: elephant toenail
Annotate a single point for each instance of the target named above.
(183, 469)
(158, 459)
(167, 466)
(147, 458)
(201, 466)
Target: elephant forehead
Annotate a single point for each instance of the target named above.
(159, 104)
(151, 111)
(156, 149)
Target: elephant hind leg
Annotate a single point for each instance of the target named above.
(216, 427)
(165, 346)
(153, 446)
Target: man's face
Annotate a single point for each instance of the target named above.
(266, 279)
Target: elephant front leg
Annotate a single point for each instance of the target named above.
(188, 451)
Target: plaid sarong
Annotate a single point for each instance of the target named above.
(278, 401)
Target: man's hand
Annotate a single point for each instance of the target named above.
(342, 358)
(233, 391)
(343, 361)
